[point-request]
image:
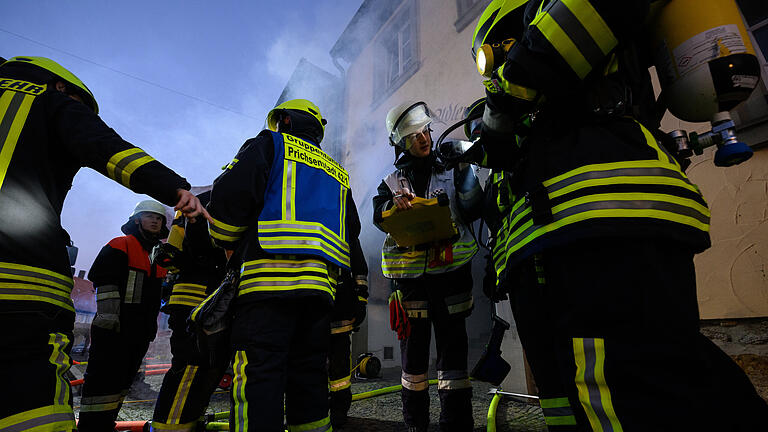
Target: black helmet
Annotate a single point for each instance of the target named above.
(62, 73)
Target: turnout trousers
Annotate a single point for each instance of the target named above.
(620, 317)
(339, 377)
(189, 383)
(425, 301)
(280, 349)
(35, 356)
(113, 360)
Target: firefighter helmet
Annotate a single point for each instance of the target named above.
(499, 25)
(302, 105)
(405, 119)
(146, 206)
(65, 75)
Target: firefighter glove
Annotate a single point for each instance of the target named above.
(398, 317)
(491, 288)
(108, 314)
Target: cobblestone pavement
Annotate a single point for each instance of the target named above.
(377, 414)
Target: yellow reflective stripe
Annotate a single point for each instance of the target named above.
(15, 108)
(288, 206)
(273, 243)
(225, 232)
(563, 44)
(180, 398)
(608, 167)
(44, 419)
(182, 300)
(20, 291)
(651, 140)
(343, 212)
(593, 23)
(593, 391)
(304, 227)
(186, 427)
(282, 288)
(37, 275)
(239, 382)
(340, 384)
(315, 426)
(121, 165)
(61, 362)
(189, 288)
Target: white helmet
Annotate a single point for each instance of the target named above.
(149, 206)
(405, 119)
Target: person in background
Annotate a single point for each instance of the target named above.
(127, 304)
(433, 282)
(50, 128)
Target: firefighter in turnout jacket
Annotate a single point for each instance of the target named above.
(348, 314)
(599, 224)
(127, 303)
(189, 383)
(49, 129)
(286, 208)
(434, 281)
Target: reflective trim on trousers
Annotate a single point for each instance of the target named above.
(416, 382)
(186, 427)
(342, 326)
(49, 418)
(101, 403)
(557, 411)
(594, 394)
(340, 384)
(180, 399)
(315, 426)
(240, 403)
(453, 380)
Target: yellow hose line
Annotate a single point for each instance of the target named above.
(491, 419)
(355, 397)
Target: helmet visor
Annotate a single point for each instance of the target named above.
(411, 122)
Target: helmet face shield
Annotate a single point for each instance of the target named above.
(412, 121)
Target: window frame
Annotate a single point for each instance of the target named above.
(469, 13)
(382, 89)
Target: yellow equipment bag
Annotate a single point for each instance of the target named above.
(428, 221)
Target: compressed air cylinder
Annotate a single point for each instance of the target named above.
(703, 56)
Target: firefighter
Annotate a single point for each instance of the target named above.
(601, 226)
(433, 282)
(286, 210)
(191, 380)
(127, 304)
(348, 314)
(50, 129)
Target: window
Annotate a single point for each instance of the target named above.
(756, 16)
(467, 11)
(397, 51)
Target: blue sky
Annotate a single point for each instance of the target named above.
(150, 63)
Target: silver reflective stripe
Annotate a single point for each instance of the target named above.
(106, 295)
(130, 285)
(453, 380)
(37, 422)
(258, 283)
(577, 33)
(618, 172)
(62, 362)
(459, 303)
(283, 264)
(137, 292)
(289, 192)
(416, 382)
(615, 205)
(102, 403)
(238, 391)
(182, 392)
(19, 272)
(593, 387)
(416, 309)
